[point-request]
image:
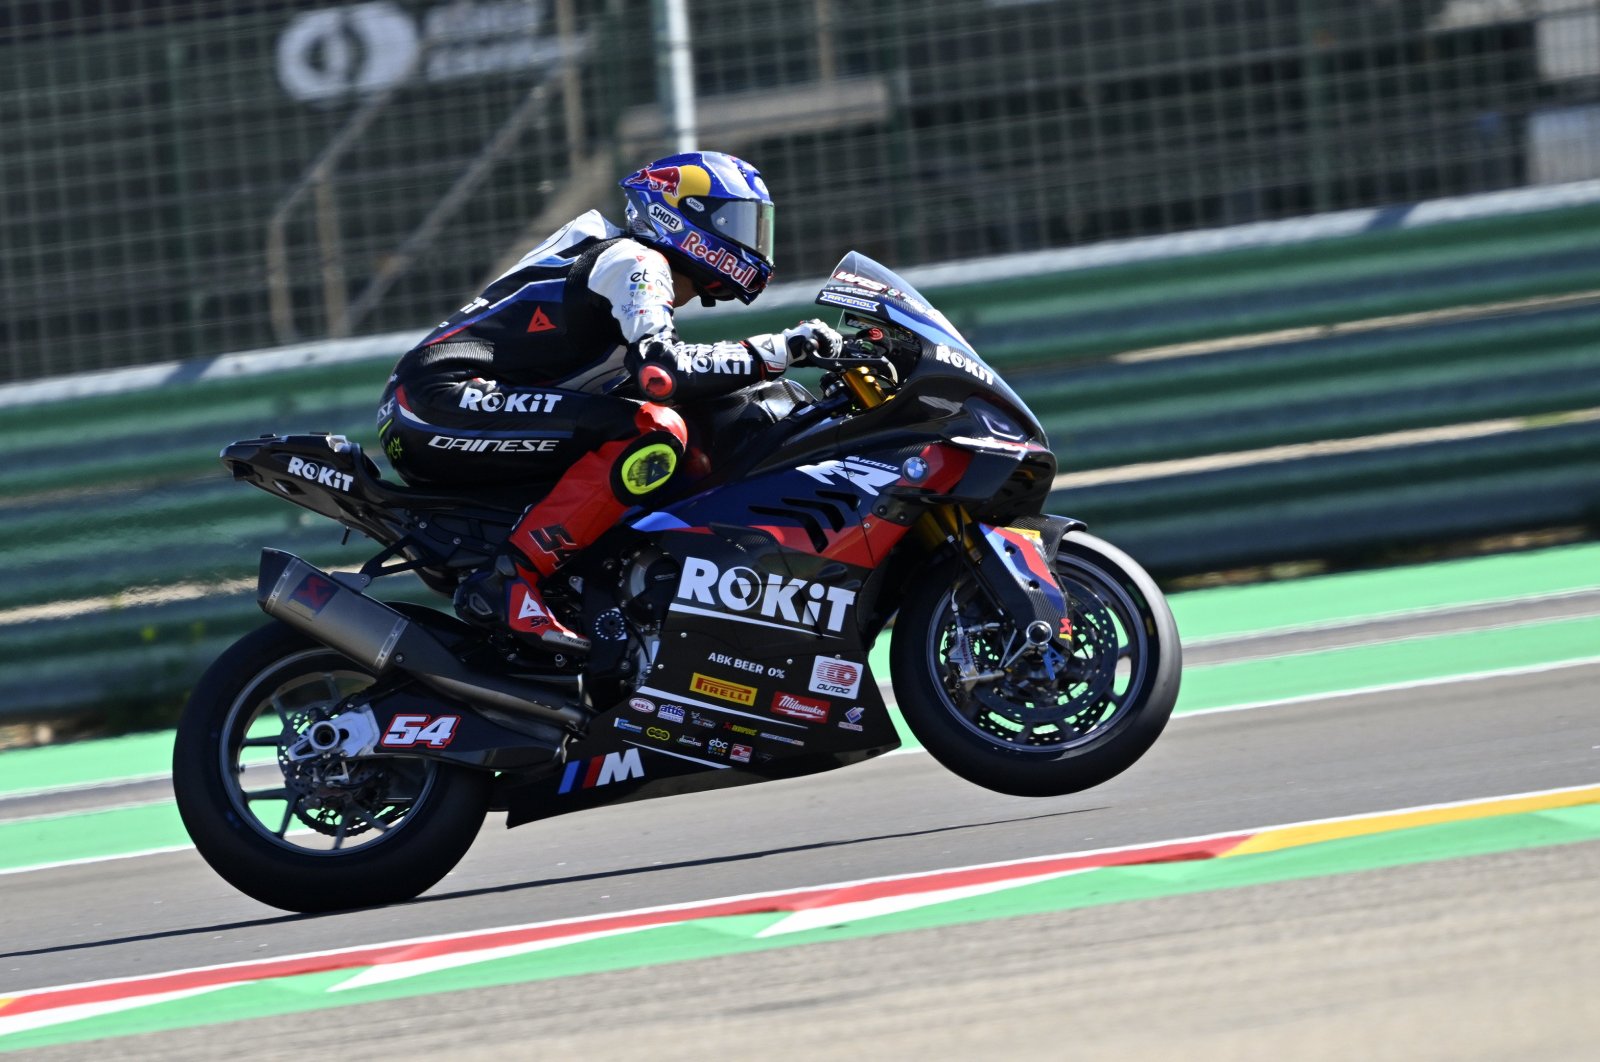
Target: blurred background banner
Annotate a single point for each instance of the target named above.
(1306, 283)
(188, 177)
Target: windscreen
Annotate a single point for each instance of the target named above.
(863, 286)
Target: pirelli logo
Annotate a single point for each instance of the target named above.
(723, 690)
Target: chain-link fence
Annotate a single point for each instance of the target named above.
(184, 177)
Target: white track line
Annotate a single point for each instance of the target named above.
(1476, 676)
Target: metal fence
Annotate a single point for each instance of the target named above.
(185, 177)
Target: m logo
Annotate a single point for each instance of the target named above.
(602, 770)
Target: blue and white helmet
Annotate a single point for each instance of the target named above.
(710, 214)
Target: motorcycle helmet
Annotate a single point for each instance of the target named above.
(710, 214)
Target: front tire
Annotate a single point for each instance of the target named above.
(1039, 727)
(368, 831)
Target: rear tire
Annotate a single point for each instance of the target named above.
(407, 821)
(1027, 736)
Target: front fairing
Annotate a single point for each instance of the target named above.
(946, 368)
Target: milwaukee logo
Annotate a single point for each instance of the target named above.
(602, 770)
(810, 709)
(769, 600)
(723, 690)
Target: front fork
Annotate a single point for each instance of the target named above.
(1013, 565)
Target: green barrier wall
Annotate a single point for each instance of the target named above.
(129, 556)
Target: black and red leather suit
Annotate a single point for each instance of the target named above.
(526, 382)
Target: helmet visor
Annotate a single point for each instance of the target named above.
(747, 223)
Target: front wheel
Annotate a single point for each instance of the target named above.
(319, 834)
(1039, 723)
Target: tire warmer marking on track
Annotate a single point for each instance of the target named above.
(809, 908)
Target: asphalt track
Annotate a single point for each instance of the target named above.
(1480, 948)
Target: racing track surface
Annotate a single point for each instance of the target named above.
(1485, 956)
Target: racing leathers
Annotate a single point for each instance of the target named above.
(525, 388)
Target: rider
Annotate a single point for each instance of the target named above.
(561, 370)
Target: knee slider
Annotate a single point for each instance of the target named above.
(646, 465)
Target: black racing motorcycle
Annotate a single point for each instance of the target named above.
(345, 754)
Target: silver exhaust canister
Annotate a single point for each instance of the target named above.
(377, 637)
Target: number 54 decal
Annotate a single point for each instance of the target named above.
(434, 731)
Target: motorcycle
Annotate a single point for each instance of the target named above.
(345, 754)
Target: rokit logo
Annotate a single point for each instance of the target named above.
(943, 353)
(728, 359)
(321, 475)
(482, 401)
(742, 595)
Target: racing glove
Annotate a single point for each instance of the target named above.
(780, 350)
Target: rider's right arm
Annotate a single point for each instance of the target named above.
(637, 283)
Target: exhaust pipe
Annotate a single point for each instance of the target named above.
(376, 636)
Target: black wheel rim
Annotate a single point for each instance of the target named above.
(1044, 706)
(327, 807)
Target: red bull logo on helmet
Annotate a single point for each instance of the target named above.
(673, 182)
(723, 261)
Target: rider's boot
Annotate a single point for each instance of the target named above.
(506, 595)
(584, 505)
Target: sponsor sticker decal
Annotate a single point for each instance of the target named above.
(770, 600)
(671, 713)
(321, 475)
(723, 690)
(740, 753)
(436, 732)
(655, 733)
(602, 770)
(853, 302)
(795, 706)
(643, 704)
(665, 218)
(628, 725)
(314, 592)
(835, 677)
(852, 718)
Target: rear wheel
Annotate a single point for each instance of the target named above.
(310, 834)
(1039, 722)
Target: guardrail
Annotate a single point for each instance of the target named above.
(1329, 399)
